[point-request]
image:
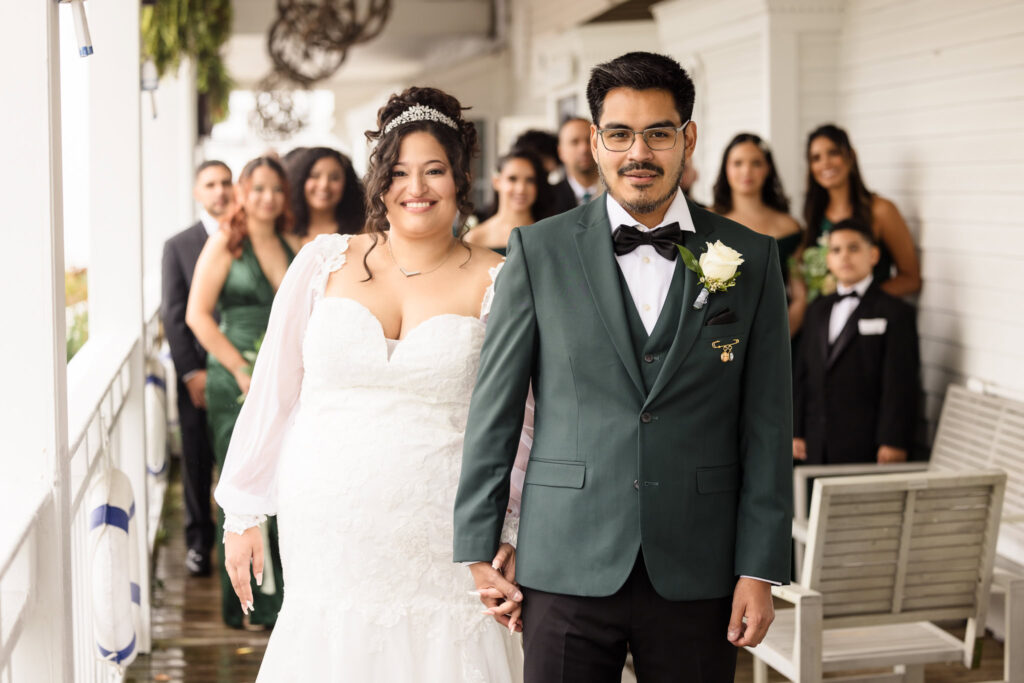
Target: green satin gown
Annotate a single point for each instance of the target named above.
(244, 308)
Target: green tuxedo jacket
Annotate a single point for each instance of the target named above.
(697, 471)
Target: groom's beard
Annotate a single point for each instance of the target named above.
(645, 206)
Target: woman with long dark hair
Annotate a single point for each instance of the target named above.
(836, 191)
(748, 190)
(236, 276)
(327, 195)
(522, 195)
(353, 429)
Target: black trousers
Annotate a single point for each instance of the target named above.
(572, 639)
(196, 473)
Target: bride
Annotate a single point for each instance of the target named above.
(352, 430)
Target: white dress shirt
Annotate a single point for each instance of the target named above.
(648, 274)
(211, 224)
(580, 191)
(844, 308)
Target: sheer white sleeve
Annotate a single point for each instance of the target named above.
(248, 481)
(510, 529)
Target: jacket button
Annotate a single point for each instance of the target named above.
(645, 417)
(636, 484)
(648, 357)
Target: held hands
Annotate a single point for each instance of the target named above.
(887, 454)
(799, 449)
(239, 549)
(196, 386)
(752, 612)
(497, 588)
(244, 377)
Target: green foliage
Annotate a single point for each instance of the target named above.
(173, 29)
(689, 260)
(78, 333)
(814, 270)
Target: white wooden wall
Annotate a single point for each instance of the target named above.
(932, 94)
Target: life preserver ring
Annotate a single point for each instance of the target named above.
(116, 597)
(170, 400)
(156, 418)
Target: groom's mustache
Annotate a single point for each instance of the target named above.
(641, 166)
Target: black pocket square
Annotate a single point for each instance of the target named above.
(722, 318)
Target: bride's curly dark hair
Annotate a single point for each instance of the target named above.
(459, 144)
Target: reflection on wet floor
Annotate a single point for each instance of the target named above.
(192, 645)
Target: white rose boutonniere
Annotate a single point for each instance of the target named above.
(716, 268)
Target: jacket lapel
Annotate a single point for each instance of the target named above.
(850, 329)
(594, 244)
(690, 320)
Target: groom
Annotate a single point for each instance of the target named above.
(657, 501)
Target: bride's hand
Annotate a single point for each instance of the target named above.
(239, 549)
(497, 588)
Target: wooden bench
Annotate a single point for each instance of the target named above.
(886, 556)
(975, 431)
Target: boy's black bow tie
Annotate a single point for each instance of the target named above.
(626, 238)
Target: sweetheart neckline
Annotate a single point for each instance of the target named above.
(380, 327)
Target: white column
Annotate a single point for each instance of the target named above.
(115, 232)
(33, 405)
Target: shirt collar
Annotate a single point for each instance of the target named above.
(578, 189)
(678, 212)
(859, 287)
(211, 224)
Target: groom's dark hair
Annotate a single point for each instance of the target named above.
(640, 71)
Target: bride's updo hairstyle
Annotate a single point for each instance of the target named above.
(459, 144)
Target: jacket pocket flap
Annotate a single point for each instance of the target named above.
(555, 473)
(718, 479)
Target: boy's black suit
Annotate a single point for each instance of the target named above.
(861, 392)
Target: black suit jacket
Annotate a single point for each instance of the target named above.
(179, 263)
(862, 391)
(564, 198)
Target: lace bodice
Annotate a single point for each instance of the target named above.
(326, 358)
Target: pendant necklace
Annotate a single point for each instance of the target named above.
(411, 273)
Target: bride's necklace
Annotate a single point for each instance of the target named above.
(411, 273)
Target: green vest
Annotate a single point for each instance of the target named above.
(651, 349)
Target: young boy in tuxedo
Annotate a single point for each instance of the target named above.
(856, 381)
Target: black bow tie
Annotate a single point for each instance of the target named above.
(854, 294)
(626, 238)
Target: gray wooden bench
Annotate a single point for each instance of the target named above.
(887, 555)
(975, 431)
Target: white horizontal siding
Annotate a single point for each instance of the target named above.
(932, 93)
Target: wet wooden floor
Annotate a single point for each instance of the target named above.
(191, 644)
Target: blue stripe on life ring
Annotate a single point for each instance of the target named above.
(136, 593)
(119, 656)
(109, 514)
(157, 381)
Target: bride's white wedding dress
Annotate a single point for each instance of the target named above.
(357, 449)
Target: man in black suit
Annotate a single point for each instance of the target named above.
(856, 385)
(582, 182)
(213, 192)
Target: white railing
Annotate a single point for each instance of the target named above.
(106, 383)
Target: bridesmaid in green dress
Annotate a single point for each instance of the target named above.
(237, 274)
(836, 191)
(748, 190)
(522, 196)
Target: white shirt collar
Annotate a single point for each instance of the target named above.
(859, 287)
(678, 212)
(579, 190)
(211, 224)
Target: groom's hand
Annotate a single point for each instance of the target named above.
(752, 612)
(497, 590)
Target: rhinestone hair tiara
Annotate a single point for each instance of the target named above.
(419, 112)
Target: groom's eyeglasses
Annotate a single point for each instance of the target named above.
(622, 139)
